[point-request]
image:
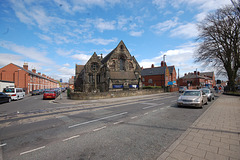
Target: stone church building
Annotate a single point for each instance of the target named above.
(115, 72)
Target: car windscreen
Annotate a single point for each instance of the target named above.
(8, 90)
(206, 91)
(49, 92)
(192, 93)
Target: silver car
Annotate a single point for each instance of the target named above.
(194, 98)
(209, 93)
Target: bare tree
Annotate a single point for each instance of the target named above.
(220, 42)
(236, 5)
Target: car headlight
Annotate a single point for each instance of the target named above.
(179, 98)
(197, 99)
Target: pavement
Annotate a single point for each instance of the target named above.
(215, 135)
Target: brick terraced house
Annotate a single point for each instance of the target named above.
(26, 79)
(159, 76)
(197, 79)
(115, 72)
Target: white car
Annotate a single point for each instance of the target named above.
(194, 98)
(209, 93)
(15, 93)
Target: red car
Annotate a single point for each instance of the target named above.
(49, 95)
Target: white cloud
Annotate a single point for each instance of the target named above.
(201, 16)
(122, 22)
(45, 37)
(100, 41)
(102, 24)
(188, 30)
(164, 26)
(66, 71)
(82, 57)
(10, 58)
(62, 52)
(181, 57)
(136, 33)
(66, 64)
(29, 52)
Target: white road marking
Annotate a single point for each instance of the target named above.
(152, 106)
(70, 138)
(134, 117)
(154, 111)
(95, 120)
(146, 113)
(118, 122)
(32, 150)
(4, 144)
(99, 129)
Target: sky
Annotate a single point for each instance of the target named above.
(52, 36)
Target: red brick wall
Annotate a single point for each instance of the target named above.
(157, 80)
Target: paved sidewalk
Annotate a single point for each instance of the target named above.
(215, 135)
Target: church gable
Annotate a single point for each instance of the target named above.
(120, 59)
(93, 64)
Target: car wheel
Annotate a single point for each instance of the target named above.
(210, 99)
(206, 103)
(9, 100)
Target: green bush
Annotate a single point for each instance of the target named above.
(152, 87)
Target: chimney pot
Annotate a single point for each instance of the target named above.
(152, 66)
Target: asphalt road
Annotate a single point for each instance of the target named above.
(132, 128)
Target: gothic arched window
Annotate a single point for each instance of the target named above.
(122, 63)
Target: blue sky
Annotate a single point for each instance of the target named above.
(53, 36)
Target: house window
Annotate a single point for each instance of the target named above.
(150, 81)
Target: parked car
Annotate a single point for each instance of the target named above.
(35, 92)
(209, 93)
(194, 98)
(15, 93)
(4, 97)
(50, 94)
(182, 89)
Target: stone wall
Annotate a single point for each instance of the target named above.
(102, 95)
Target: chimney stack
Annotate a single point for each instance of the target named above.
(152, 66)
(163, 64)
(25, 66)
(34, 70)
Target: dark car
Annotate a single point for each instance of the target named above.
(4, 97)
(35, 92)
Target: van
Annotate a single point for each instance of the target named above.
(15, 93)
